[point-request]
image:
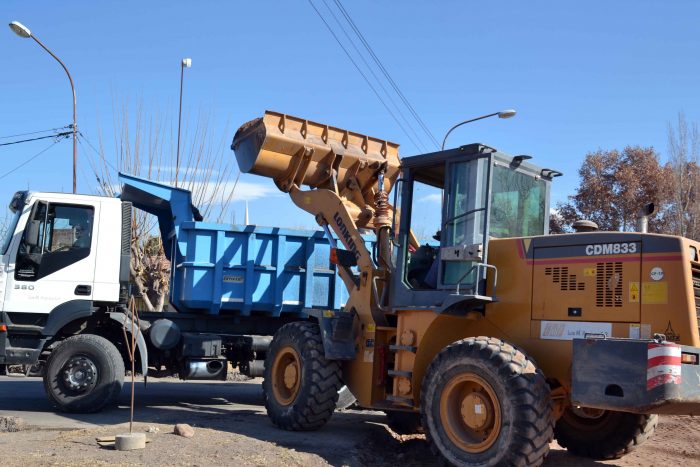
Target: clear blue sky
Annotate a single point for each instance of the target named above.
(582, 75)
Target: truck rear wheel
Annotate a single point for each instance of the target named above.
(485, 403)
(300, 386)
(602, 434)
(83, 374)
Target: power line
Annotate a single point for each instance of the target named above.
(361, 73)
(29, 160)
(83, 137)
(57, 135)
(386, 73)
(34, 132)
(376, 78)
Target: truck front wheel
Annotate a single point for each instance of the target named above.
(602, 434)
(485, 403)
(83, 374)
(300, 386)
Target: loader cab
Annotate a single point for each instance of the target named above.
(449, 204)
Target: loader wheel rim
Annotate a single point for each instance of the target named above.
(470, 413)
(286, 375)
(79, 374)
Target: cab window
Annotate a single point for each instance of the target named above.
(517, 204)
(56, 236)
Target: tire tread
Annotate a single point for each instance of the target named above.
(316, 402)
(534, 428)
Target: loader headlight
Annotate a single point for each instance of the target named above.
(693, 253)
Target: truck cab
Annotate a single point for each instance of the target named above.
(61, 255)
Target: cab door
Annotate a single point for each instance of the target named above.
(53, 262)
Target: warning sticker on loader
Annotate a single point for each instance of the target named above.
(635, 331)
(634, 292)
(655, 293)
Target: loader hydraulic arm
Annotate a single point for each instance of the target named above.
(350, 176)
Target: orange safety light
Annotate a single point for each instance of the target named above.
(3, 327)
(689, 358)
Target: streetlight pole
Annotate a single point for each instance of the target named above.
(22, 31)
(186, 63)
(502, 114)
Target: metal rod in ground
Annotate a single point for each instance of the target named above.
(132, 357)
(131, 352)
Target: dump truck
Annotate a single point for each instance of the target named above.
(64, 292)
(499, 338)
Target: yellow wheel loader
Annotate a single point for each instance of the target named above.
(494, 338)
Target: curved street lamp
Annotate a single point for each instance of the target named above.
(24, 32)
(502, 114)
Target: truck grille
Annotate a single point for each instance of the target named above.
(695, 269)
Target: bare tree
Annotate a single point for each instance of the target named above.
(683, 158)
(143, 146)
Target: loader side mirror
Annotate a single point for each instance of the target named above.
(31, 233)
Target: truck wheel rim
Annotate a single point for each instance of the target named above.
(286, 375)
(470, 413)
(79, 374)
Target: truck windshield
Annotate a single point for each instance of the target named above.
(518, 203)
(8, 229)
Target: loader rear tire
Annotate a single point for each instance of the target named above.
(300, 386)
(83, 374)
(603, 434)
(486, 403)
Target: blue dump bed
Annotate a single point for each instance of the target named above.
(241, 270)
(247, 269)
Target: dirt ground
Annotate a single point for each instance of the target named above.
(231, 428)
(677, 442)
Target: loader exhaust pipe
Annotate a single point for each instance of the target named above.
(643, 217)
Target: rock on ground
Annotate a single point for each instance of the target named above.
(183, 429)
(12, 424)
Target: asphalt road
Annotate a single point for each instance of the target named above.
(160, 401)
(233, 407)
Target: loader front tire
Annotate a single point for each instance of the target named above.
(602, 434)
(83, 374)
(300, 386)
(486, 403)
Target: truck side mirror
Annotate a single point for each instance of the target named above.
(31, 233)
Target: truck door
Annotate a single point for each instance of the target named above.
(54, 260)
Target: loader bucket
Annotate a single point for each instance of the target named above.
(293, 151)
